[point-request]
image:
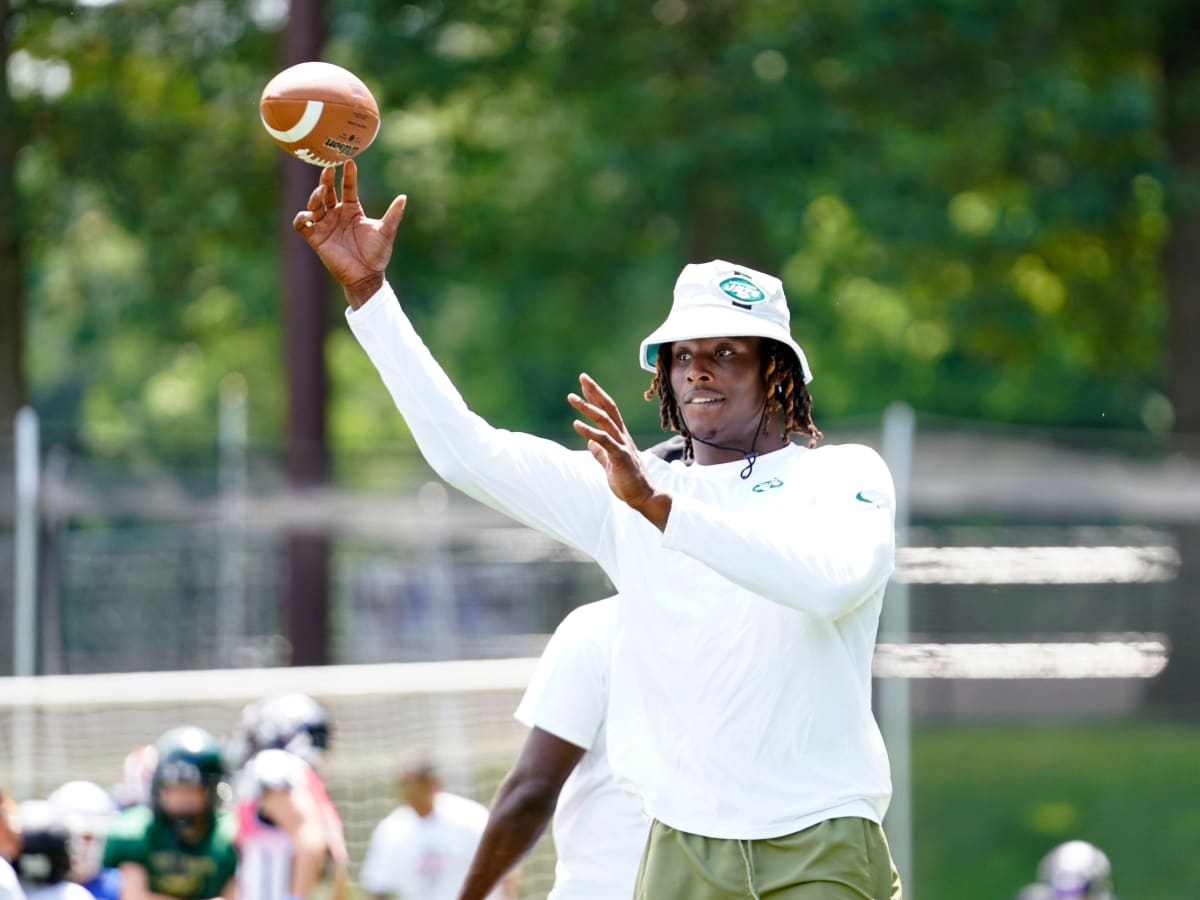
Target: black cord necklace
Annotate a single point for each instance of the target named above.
(751, 455)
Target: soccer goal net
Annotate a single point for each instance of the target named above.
(458, 714)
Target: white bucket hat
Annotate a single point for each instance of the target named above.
(721, 299)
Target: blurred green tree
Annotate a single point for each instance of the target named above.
(967, 201)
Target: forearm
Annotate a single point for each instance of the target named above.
(537, 482)
(308, 859)
(519, 815)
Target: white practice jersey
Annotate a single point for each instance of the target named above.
(599, 830)
(10, 887)
(740, 699)
(64, 890)
(425, 858)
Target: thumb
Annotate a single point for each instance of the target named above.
(391, 218)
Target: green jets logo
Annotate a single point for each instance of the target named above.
(764, 486)
(742, 289)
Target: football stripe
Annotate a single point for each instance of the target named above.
(308, 121)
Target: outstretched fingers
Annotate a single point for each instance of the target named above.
(596, 414)
(391, 219)
(596, 436)
(324, 197)
(600, 398)
(350, 182)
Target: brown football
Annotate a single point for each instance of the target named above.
(320, 113)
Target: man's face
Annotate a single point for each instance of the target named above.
(419, 791)
(718, 384)
(183, 800)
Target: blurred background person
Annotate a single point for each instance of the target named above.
(599, 830)
(1075, 870)
(10, 833)
(45, 859)
(182, 844)
(137, 772)
(10, 887)
(88, 811)
(287, 825)
(423, 849)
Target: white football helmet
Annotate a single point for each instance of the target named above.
(88, 812)
(1076, 870)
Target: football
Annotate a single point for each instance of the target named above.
(320, 113)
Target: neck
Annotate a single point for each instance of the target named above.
(715, 453)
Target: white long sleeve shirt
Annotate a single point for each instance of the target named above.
(741, 676)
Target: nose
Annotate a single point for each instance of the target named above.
(698, 372)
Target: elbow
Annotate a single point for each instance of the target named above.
(529, 798)
(449, 467)
(310, 841)
(845, 594)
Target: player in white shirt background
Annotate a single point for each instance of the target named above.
(286, 824)
(751, 582)
(10, 887)
(89, 813)
(422, 849)
(45, 858)
(599, 830)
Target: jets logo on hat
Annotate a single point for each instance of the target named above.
(742, 289)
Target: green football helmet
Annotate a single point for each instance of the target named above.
(188, 755)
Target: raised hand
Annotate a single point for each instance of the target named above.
(355, 248)
(612, 446)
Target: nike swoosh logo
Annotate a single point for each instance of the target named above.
(864, 498)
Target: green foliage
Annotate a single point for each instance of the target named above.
(966, 201)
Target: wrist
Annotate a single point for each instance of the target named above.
(655, 506)
(362, 290)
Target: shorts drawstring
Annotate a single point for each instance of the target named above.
(744, 847)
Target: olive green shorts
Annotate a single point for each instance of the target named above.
(839, 859)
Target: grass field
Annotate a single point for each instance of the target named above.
(989, 801)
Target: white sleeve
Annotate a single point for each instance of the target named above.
(560, 492)
(10, 887)
(825, 563)
(377, 876)
(568, 694)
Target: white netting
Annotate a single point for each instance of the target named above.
(58, 728)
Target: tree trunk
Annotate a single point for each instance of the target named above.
(305, 294)
(1181, 258)
(12, 300)
(1179, 685)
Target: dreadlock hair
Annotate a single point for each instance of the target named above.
(788, 398)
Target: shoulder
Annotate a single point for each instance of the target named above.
(592, 623)
(461, 810)
(398, 821)
(225, 828)
(132, 824)
(854, 464)
(847, 456)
